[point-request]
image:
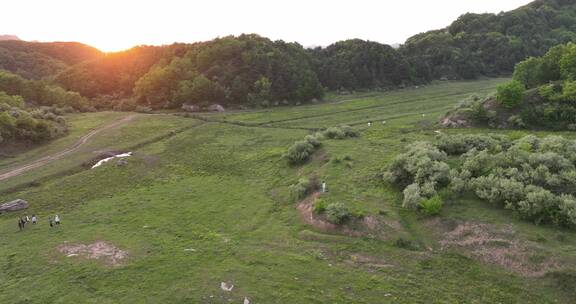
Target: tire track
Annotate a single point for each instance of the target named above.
(75, 147)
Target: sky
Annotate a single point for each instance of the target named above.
(113, 25)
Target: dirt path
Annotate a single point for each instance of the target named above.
(59, 155)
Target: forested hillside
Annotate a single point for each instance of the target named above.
(542, 95)
(491, 44)
(37, 60)
(242, 70)
(249, 70)
(115, 73)
(30, 110)
(359, 64)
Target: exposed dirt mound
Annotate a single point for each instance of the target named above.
(368, 225)
(499, 246)
(100, 250)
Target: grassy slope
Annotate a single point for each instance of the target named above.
(141, 129)
(222, 190)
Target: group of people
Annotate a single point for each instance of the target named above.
(23, 220)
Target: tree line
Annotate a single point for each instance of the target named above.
(31, 110)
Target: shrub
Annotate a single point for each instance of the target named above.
(412, 197)
(422, 163)
(299, 152)
(320, 206)
(334, 133)
(516, 121)
(341, 132)
(303, 187)
(314, 140)
(510, 94)
(431, 206)
(337, 213)
(462, 143)
(405, 244)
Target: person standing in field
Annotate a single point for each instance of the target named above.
(50, 222)
(323, 186)
(19, 225)
(34, 219)
(57, 219)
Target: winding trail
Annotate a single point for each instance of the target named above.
(59, 155)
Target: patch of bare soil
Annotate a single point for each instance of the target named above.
(498, 246)
(100, 250)
(367, 226)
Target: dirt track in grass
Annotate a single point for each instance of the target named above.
(12, 172)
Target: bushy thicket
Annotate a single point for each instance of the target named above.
(335, 213)
(535, 177)
(39, 93)
(20, 123)
(491, 44)
(32, 110)
(304, 187)
(42, 60)
(542, 95)
(302, 150)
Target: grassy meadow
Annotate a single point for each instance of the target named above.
(206, 200)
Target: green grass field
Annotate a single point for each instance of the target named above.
(210, 203)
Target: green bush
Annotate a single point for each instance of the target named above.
(320, 206)
(299, 152)
(431, 206)
(405, 244)
(341, 132)
(314, 140)
(420, 164)
(510, 94)
(303, 187)
(412, 197)
(337, 213)
(334, 133)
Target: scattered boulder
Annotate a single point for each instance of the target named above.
(14, 205)
(455, 121)
(226, 286)
(216, 108)
(190, 108)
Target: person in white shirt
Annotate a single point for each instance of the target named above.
(323, 186)
(34, 219)
(57, 219)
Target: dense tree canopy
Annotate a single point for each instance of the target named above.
(489, 44)
(30, 109)
(247, 69)
(542, 95)
(359, 64)
(37, 60)
(113, 74)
